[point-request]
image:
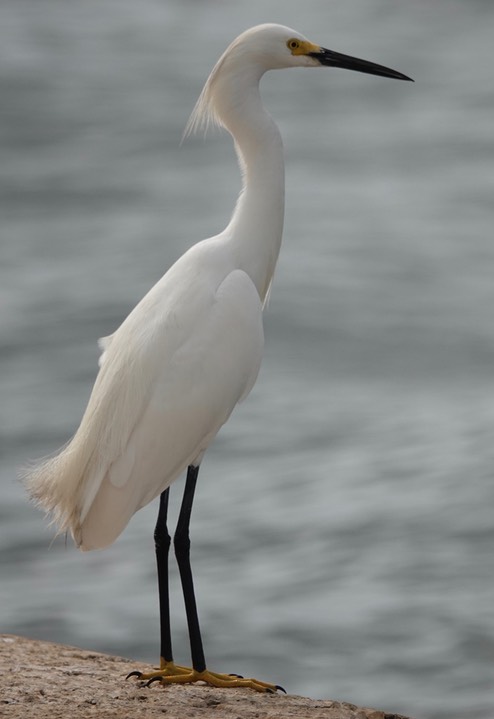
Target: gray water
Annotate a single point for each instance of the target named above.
(343, 529)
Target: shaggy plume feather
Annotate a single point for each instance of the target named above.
(65, 485)
(203, 116)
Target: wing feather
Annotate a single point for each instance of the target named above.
(169, 378)
(191, 399)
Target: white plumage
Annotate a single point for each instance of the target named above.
(174, 370)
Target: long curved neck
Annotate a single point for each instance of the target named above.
(256, 227)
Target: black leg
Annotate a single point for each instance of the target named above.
(169, 673)
(182, 551)
(162, 545)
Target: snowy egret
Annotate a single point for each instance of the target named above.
(176, 367)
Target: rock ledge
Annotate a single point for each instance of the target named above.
(53, 681)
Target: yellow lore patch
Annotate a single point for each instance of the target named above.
(301, 47)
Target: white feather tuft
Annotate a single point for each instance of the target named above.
(203, 116)
(65, 485)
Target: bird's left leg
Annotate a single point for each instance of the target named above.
(198, 672)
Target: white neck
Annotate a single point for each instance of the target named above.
(256, 226)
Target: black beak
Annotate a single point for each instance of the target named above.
(330, 58)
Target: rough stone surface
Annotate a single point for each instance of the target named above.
(40, 679)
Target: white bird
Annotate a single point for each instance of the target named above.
(176, 367)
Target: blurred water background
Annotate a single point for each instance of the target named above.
(343, 529)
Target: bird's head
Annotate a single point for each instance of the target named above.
(262, 48)
(276, 46)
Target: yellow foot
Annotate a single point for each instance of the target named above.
(170, 673)
(166, 669)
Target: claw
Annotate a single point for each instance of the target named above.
(152, 680)
(134, 674)
(280, 689)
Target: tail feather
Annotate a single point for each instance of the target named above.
(66, 484)
(58, 485)
(59, 499)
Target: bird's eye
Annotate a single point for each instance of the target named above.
(293, 44)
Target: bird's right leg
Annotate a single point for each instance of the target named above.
(162, 541)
